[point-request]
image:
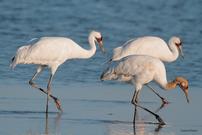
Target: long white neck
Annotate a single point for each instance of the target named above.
(87, 53)
(174, 51)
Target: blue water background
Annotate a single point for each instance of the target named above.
(91, 107)
(118, 21)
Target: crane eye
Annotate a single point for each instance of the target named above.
(183, 85)
(99, 39)
(178, 44)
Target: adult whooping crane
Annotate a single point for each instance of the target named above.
(51, 52)
(139, 70)
(152, 46)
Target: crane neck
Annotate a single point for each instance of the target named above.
(87, 53)
(171, 85)
(174, 51)
(165, 84)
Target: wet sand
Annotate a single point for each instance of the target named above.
(97, 109)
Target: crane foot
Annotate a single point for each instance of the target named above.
(58, 104)
(164, 101)
(161, 122)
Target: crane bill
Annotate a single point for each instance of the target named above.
(187, 98)
(101, 46)
(186, 95)
(181, 52)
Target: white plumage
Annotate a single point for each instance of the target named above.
(140, 70)
(52, 52)
(152, 46)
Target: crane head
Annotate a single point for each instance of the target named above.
(100, 43)
(178, 44)
(184, 85)
(98, 39)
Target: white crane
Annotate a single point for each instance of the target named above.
(51, 52)
(152, 46)
(139, 70)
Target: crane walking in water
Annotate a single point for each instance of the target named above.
(51, 52)
(152, 46)
(139, 70)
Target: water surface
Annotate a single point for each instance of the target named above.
(98, 110)
(91, 107)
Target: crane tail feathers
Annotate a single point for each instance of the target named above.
(13, 63)
(107, 62)
(108, 74)
(32, 41)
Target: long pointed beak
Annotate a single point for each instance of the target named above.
(186, 94)
(101, 47)
(181, 52)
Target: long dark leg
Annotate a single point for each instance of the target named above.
(135, 99)
(159, 108)
(135, 114)
(46, 125)
(48, 91)
(164, 101)
(134, 129)
(136, 104)
(156, 115)
(34, 85)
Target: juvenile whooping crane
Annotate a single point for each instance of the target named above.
(139, 70)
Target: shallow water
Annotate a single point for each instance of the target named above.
(92, 107)
(98, 110)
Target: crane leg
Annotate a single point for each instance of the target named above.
(48, 91)
(34, 85)
(164, 101)
(159, 108)
(135, 114)
(136, 104)
(135, 97)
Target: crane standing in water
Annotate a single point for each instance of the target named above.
(139, 70)
(51, 52)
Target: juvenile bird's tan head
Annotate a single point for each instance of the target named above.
(184, 85)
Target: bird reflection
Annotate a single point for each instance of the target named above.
(57, 121)
(139, 125)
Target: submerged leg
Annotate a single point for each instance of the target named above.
(135, 114)
(34, 85)
(164, 101)
(46, 125)
(135, 96)
(48, 91)
(156, 115)
(135, 99)
(159, 108)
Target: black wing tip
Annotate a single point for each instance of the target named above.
(13, 59)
